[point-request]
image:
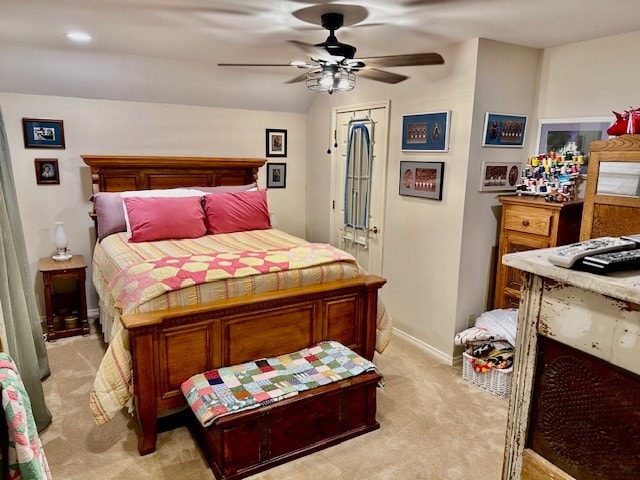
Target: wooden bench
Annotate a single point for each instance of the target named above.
(244, 443)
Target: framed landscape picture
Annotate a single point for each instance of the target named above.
(425, 132)
(571, 134)
(504, 130)
(422, 179)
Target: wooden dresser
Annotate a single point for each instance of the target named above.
(530, 223)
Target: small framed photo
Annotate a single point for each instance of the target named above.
(276, 143)
(276, 175)
(42, 133)
(504, 130)
(499, 176)
(421, 179)
(426, 132)
(47, 172)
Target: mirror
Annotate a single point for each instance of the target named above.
(619, 178)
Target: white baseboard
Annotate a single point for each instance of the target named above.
(448, 359)
(93, 312)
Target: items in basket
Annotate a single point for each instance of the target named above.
(493, 358)
(491, 341)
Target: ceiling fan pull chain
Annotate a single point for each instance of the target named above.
(329, 149)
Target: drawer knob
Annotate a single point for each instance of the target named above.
(525, 223)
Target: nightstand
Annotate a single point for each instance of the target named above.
(64, 296)
(530, 223)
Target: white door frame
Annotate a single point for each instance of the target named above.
(384, 156)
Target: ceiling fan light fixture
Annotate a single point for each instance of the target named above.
(331, 80)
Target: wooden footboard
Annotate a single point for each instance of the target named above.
(169, 346)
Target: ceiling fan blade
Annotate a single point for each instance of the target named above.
(315, 52)
(256, 65)
(381, 75)
(408, 60)
(300, 78)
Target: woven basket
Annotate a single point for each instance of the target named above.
(496, 381)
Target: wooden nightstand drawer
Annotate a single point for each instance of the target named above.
(534, 221)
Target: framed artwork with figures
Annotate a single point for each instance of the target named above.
(422, 179)
(426, 132)
(43, 133)
(47, 171)
(499, 176)
(276, 175)
(276, 143)
(504, 130)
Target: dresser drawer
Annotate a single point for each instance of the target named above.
(534, 221)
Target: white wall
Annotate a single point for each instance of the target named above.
(590, 79)
(506, 82)
(113, 127)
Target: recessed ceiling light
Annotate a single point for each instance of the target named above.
(79, 36)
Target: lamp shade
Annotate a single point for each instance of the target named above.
(60, 238)
(331, 79)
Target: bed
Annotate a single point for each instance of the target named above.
(157, 342)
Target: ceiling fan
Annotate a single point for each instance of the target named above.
(332, 65)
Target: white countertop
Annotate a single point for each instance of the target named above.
(623, 285)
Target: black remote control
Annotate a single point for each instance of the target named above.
(611, 261)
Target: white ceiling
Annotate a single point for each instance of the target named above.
(167, 51)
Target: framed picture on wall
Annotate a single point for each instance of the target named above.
(422, 179)
(499, 176)
(42, 133)
(426, 132)
(504, 130)
(276, 143)
(47, 172)
(276, 175)
(571, 134)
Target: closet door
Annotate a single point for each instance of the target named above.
(359, 165)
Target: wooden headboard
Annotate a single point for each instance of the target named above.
(114, 173)
(609, 210)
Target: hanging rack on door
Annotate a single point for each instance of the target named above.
(358, 181)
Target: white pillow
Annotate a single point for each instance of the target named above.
(171, 192)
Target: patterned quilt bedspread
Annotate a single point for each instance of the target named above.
(256, 261)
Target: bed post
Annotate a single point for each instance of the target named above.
(145, 392)
(371, 312)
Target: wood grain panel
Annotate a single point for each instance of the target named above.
(268, 334)
(610, 215)
(185, 354)
(343, 324)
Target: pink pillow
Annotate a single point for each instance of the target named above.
(109, 213)
(165, 218)
(237, 211)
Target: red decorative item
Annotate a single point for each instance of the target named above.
(626, 122)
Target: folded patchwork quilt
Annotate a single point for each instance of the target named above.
(228, 390)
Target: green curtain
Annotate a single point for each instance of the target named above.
(19, 318)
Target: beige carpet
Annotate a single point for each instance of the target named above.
(433, 426)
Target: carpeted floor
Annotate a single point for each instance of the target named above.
(433, 426)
